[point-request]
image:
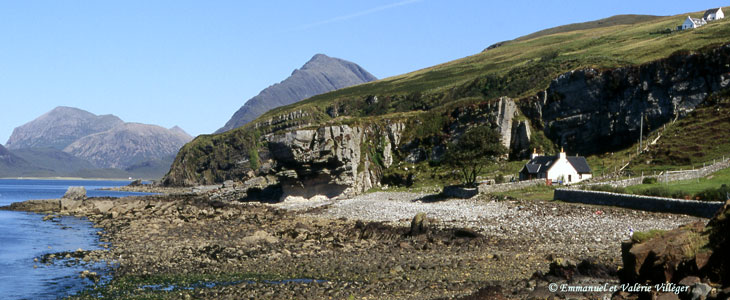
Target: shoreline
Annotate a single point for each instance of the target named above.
(363, 246)
(70, 178)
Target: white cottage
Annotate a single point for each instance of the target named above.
(560, 168)
(713, 14)
(690, 23)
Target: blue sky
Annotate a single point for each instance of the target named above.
(194, 63)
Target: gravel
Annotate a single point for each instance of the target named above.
(532, 226)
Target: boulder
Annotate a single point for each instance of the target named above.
(455, 191)
(419, 224)
(70, 204)
(699, 291)
(75, 193)
(260, 236)
(663, 257)
(692, 255)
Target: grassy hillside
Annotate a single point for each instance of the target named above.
(519, 68)
(690, 142)
(522, 67)
(607, 22)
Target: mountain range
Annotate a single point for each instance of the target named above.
(319, 75)
(72, 142)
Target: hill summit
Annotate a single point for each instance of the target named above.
(59, 128)
(68, 141)
(319, 75)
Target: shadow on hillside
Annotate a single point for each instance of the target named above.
(431, 198)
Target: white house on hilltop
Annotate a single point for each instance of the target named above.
(692, 23)
(713, 14)
(560, 168)
(710, 15)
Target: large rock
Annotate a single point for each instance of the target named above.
(330, 161)
(676, 255)
(322, 162)
(419, 224)
(75, 193)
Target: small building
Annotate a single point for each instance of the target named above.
(559, 168)
(713, 14)
(690, 23)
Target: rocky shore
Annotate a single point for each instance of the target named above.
(374, 246)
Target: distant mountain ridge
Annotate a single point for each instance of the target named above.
(319, 75)
(59, 128)
(128, 144)
(69, 141)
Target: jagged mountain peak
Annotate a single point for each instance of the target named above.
(319, 75)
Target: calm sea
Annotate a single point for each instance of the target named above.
(24, 236)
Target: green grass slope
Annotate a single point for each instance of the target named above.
(699, 138)
(607, 22)
(522, 67)
(517, 69)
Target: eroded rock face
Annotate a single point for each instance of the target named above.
(328, 161)
(592, 111)
(500, 114)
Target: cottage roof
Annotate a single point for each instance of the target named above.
(532, 168)
(543, 163)
(711, 11)
(580, 164)
(539, 163)
(697, 22)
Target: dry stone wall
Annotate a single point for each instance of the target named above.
(658, 204)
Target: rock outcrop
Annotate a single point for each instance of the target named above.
(677, 256)
(319, 75)
(503, 115)
(592, 111)
(75, 193)
(586, 111)
(331, 161)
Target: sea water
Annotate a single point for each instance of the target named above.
(25, 236)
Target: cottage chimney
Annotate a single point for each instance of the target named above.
(534, 153)
(562, 154)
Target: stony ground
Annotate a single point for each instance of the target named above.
(360, 248)
(575, 230)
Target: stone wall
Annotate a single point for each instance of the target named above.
(658, 204)
(671, 175)
(509, 186)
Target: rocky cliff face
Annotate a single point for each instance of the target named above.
(319, 75)
(332, 161)
(593, 111)
(59, 128)
(586, 111)
(128, 144)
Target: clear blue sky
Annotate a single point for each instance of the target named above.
(194, 63)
